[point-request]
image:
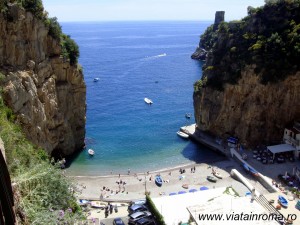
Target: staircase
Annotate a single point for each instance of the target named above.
(269, 207)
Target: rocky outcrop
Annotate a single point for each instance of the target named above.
(251, 77)
(45, 92)
(200, 52)
(254, 112)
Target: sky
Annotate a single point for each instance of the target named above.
(121, 10)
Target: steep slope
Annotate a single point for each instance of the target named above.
(251, 79)
(44, 90)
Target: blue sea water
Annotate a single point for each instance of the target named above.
(134, 60)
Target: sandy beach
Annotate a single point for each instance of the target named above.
(112, 187)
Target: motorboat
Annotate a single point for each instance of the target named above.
(282, 201)
(182, 134)
(185, 186)
(148, 101)
(188, 115)
(216, 174)
(211, 179)
(91, 152)
(250, 170)
(158, 180)
(96, 79)
(98, 204)
(83, 202)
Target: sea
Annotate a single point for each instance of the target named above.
(135, 60)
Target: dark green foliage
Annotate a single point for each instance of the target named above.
(69, 49)
(34, 6)
(3, 5)
(158, 217)
(269, 37)
(54, 28)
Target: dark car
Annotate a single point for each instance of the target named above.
(145, 221)
(118, 221)
(138, 215)
(137, 208)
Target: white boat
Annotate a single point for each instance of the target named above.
(96, 79)
(183, 135)
(216, 174)
(91, 152)
(148, 101)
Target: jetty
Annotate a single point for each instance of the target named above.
(205, 139)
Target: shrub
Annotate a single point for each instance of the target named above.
(70, 49)
(41, 189)
(54, 28)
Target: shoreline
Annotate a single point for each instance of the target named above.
(91, 187)
(165, 169)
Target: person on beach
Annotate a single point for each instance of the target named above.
(128, 171)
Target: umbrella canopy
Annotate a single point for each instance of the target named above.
(203, 188)
(181, 192)
(173, 193)
(192, 190)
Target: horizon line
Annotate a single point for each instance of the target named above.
(93, 21)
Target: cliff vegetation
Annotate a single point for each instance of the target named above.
(43, 83)
(42, 111)
(43, 194)
(251, 77)
(269, 38)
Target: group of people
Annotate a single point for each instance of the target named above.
(109, 209)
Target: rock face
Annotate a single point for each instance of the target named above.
(199, 54)
(45, 92)
(254, 112)
(250, 86)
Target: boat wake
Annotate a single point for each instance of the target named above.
(156, 56)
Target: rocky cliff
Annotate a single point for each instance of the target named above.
(44, 90)
(251, 78)
(254, 112)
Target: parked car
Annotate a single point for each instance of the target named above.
(137, 208)
(139, 202)
(118, 221)
(145, 221)
(138, 215)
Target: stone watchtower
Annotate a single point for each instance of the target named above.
(219, 17)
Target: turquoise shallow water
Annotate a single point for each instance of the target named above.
(134, 60)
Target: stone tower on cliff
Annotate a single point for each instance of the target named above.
(219, 17)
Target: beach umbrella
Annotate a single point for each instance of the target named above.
(203, 188)
(181, 192)
(173, 193)
(192, 190)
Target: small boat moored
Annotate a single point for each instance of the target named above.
(185, 186)
(282, 201)
(216, 174)
(188, 115)
(96, 79)
(91, 152)
(211, 179)
(183, 135)
(250, 170)
(148, 101)
(158, 180)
